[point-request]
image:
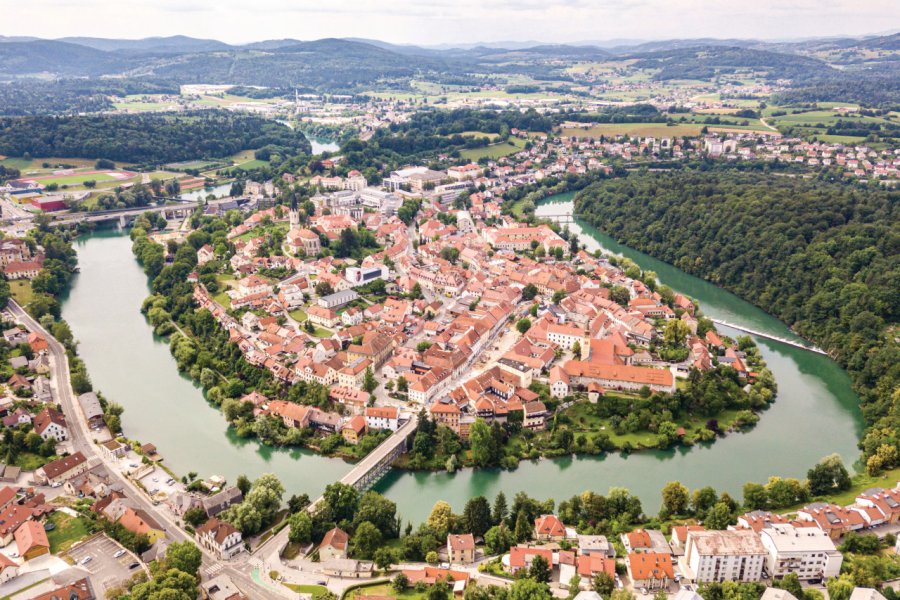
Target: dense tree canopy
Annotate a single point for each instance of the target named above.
(823, 257)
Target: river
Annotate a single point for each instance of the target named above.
(815, 414)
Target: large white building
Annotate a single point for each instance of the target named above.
(724, 556)
(806, 551)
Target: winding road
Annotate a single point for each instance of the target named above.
(240, 569)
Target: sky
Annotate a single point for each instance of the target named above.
(433, 22)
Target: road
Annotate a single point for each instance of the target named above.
(239, 569)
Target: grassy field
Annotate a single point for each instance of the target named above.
(252, 164)
(298, 315)
(306, 589)
(28, 461)
(68, 530)
(385, 589)
(494, 151)
(21, 291)
(78, 178)
(639, 129)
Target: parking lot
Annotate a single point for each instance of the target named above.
(106, 569)
(156, 484)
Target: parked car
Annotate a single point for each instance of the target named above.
(86, 560)
(118, 554)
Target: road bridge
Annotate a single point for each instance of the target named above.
(361, 477)
(175, 208)
(769, 336)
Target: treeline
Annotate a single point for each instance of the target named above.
(149, 138)
(72, 96)
(710, 62)
(823, 257)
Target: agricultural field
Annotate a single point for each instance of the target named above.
(494, 151)
(78, 178)
(638, 129)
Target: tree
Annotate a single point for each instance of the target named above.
(828, 475)
(529, 292)
(497, 539)
(486, 444)
(243, 483)
(441, 518)
(791, 583)
(432, 558)
(840, 588)
(719, 517)
(195, 517)
(366, 539)
(400, 583)
(384, 558)
(539, 570)
(675, 332)
(675, 497)
(604, 584)
(340, 501)
(323, 288)
(500, 510)
(477, 516)
(369, 381)
(523, 325)
(378, 510)
(755, 496)
(528, 589)
(184, 556)
(523, 528)
(301, 527)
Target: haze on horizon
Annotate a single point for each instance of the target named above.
(436, 22)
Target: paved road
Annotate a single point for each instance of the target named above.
(238, 568)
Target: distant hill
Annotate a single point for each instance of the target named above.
(706, 62)
(59, 58)
(176, 44)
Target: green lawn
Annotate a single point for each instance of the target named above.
(68, 531)
(252, 164)
(321, 332)
(16, 163)
(639, 129)
(385, 589)
(21, 291)
(77, 179)
(306, 589)
(28, 461)
(494, 151)
(298, 315)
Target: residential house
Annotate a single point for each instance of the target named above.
(58, 471)
(31, 540)
(461, 548)
(334, 545)
(221, 538)
(383, 417)
(8, 569)
(50, 423)
(353, 429)
(213, 505)
(651, 570)
(549, 528)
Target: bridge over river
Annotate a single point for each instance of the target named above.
(175, 207)
(363, 475)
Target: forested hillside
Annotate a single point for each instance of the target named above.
(148, 138)
(823, 257)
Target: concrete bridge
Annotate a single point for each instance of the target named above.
(769, 336)
(378, 462)
(362, 476)
(177, 209)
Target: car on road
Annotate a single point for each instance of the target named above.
(56, 484)
(134, 565)
(119, 553)
(86, 560)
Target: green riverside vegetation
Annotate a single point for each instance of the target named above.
(822, 256)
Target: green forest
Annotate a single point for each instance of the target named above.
(148, 138)
(823, 257)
